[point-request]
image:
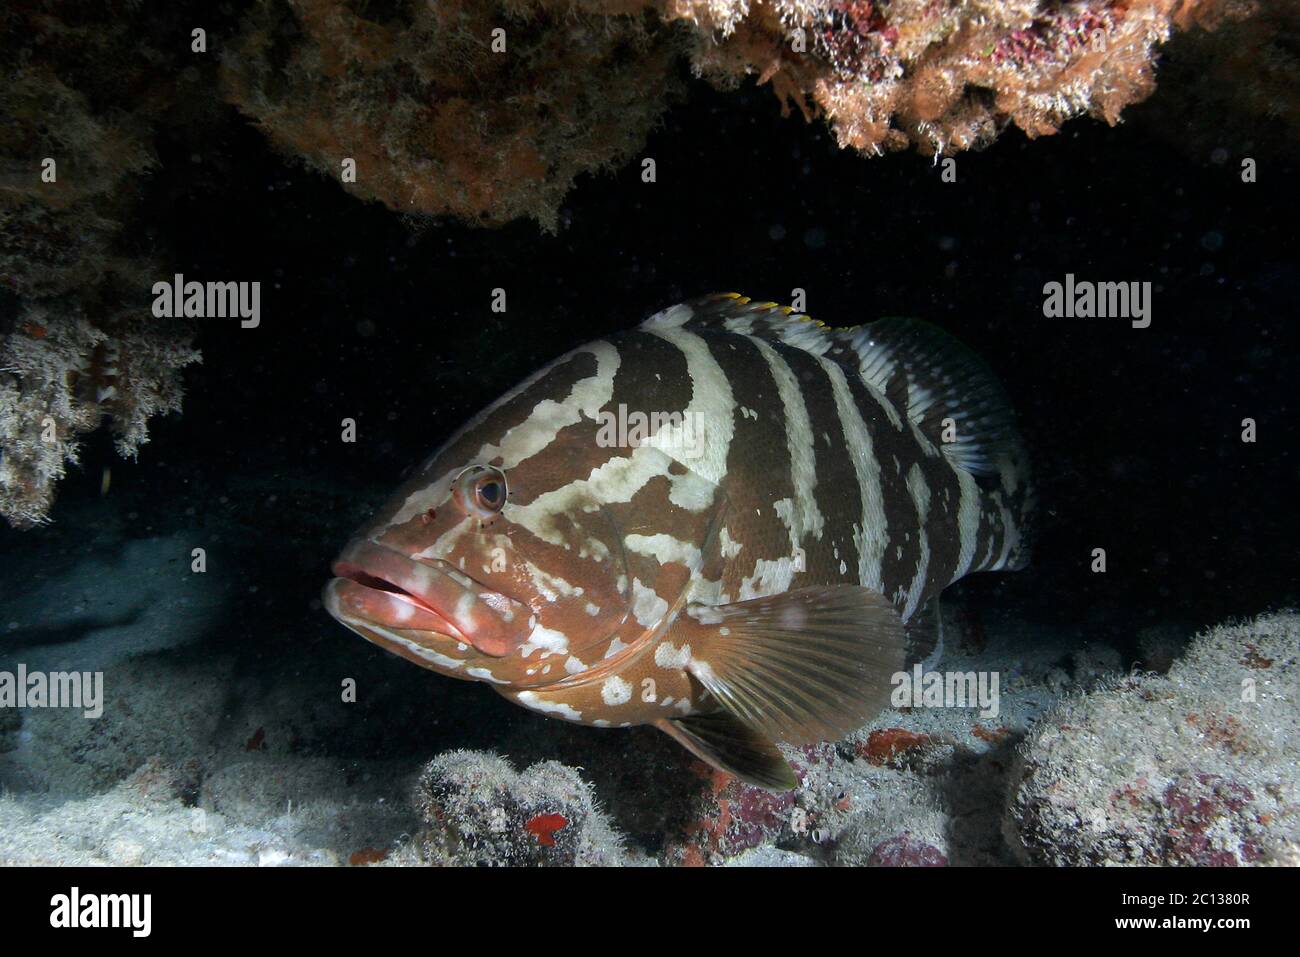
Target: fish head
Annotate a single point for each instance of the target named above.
(500, 559)
(462, 587)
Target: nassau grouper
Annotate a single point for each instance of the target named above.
(731, 522)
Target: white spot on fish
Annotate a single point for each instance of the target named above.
(806, 518)
(705, 614)
(550, 641)
(615, 691)
(647, 607)
(769, 578)
(702, 671)
(664, 549)
(594, 548)
(691, 491)
(464, 605)
(529, 699)
(921, 497)
(668, 656)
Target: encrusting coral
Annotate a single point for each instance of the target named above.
(944, 75)
(1193, 767)
(488, 111)
(78, 343)
(480, 811)
(440, 115)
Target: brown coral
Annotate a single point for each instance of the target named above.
(437, 120)
(1233, 84)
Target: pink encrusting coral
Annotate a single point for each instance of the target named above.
(944, 75)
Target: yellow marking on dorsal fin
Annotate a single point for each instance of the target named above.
(787, 311)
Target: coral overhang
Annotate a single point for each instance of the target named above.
(944, 75)
(487, 112)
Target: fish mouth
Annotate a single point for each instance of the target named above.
(375, 585)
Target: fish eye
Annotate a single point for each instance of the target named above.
(490, 493)
(481, 490)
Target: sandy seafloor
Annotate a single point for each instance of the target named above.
(224, 739)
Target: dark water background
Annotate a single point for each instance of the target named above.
(1135, 433)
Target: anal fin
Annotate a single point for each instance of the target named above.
(727, 744)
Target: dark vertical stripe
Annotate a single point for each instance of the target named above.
(758, 460)
(895, 450)
(837, 493)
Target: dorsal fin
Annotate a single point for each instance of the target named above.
(922, 371)
(733, 312)
(941, 378)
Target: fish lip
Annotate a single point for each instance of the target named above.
(356, 577)
(376, 569)
(373, 578)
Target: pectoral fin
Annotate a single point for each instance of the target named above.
(808, 665)
(722, 741)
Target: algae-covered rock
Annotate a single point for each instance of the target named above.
(481, 811)
(905, 827)
(85, 90)
(1194, 767)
